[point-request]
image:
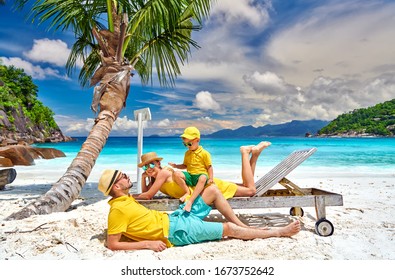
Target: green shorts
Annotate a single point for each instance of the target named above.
(189, 227)
(192, 179)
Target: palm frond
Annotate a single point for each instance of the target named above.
(200, 9)
(158, 33)
(84, 51)
(89, 68)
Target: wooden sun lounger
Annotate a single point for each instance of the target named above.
(290, 196)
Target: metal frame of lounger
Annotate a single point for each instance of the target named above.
(292, 196)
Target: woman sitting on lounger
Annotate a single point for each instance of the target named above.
(157, 178)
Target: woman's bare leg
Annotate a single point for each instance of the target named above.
(235, 231)
(246, 171)
(248, 167)
(256, 152)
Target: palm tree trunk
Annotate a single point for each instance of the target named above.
(69, 186)
(111, 94)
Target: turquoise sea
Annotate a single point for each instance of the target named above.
(336, 156)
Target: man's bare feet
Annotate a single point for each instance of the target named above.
(289, 230)
(257, 149)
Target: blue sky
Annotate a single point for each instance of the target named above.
(260, 62)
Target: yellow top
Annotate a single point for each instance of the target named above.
(197, 161)
(173, 190)
(135, 221)
(228, 189)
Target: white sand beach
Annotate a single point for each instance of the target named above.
(364, 230)
(364, 227)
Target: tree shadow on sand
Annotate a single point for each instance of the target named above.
(27, 193)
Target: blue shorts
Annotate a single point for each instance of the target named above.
(189, 227)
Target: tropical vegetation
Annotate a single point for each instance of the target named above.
(114, 39)
(376, 120)
(17, 90)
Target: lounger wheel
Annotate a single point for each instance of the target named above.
(323, 227)
(296, 211)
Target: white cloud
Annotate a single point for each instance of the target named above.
(205, 118)
(164, 123)
(206, 102)
(337, 39)
(241, 11)
(267, 81)
(37, 72)
(378, 89)
(125, 124)
(51, 51)
(225, 56)
(324, 99)
(71, 125)
(325, 62)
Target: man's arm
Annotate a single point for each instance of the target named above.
(114, 243)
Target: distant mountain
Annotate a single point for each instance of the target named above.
(293, 128)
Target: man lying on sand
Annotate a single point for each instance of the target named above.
(156, 230)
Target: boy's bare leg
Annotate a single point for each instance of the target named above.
(179, 178)
(212, 195)
(235, 231)
(197, 190)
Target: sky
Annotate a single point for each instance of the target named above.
(259, 62)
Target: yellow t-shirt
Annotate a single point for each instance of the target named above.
(137, 222)
(197, 161)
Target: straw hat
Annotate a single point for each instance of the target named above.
(147, 158)
(191, 133)
(107, 180)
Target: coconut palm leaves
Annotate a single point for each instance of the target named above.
(112, 39)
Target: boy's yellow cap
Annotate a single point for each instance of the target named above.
(191, 133)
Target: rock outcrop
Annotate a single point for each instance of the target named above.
(21, 128)
(25, 155)
(7, 176)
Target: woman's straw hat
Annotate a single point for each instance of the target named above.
(147, 158)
